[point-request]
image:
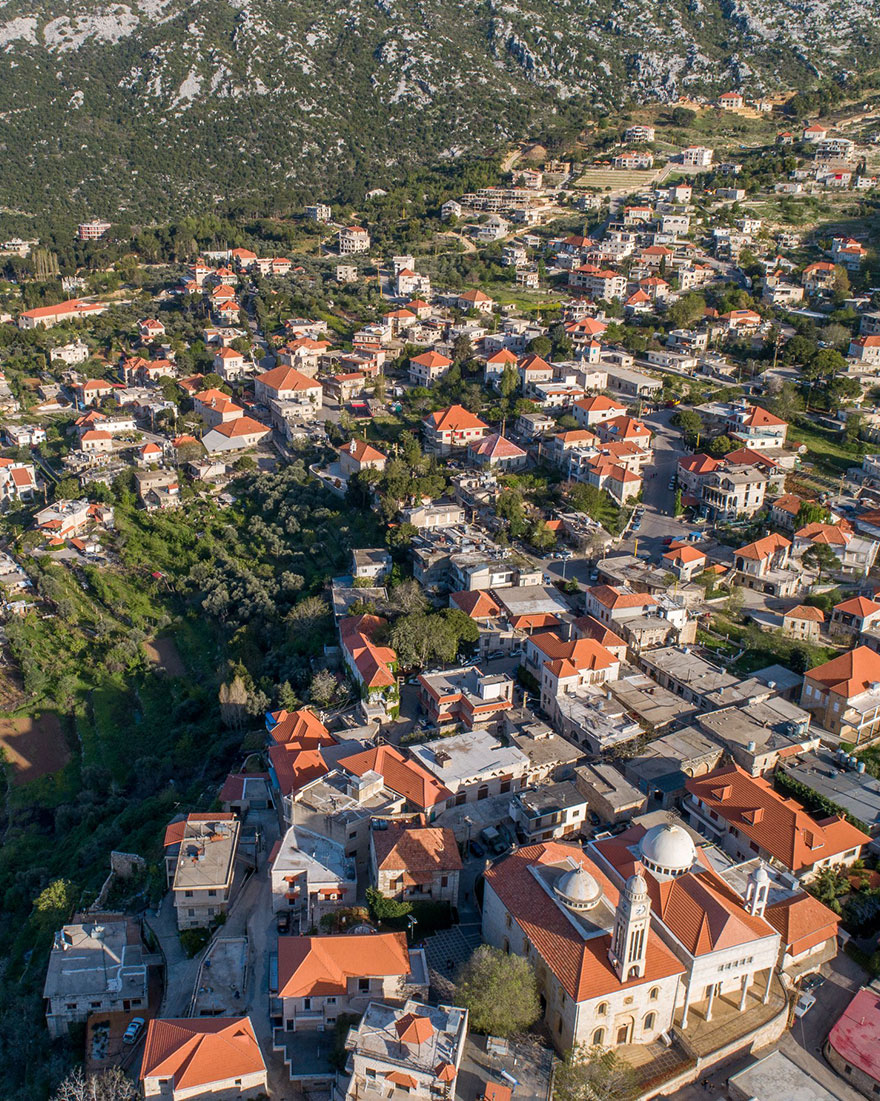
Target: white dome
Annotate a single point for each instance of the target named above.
(668, 848)
(761, 874)
(636, 885)
(578, 890)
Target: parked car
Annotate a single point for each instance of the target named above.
(804, 1004)
(282, 922)
(476, 849)
(135, 1028)
(812, 982)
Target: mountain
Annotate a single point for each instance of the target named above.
(143, 108)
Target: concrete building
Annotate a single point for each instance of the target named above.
(415, 1049)
(94, 967)
(662, 767)
(310, 876)
(205, 868)
(465, 696)
(549, 813)
(843, 695)
(609, 796)
(473, 766)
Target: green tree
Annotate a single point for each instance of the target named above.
(540, 346)
(499, 991)
(811, 512)
(593, 1074)
(54, 905)
(688, 309)
(323, 687)
(509, 381)
(383, 908)
(691, 424)
(821, 558)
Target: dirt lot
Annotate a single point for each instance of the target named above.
(34, 747)
(163, 653)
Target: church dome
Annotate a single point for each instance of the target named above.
(667, 849)
(578, 890)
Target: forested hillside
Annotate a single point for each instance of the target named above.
(150, 107)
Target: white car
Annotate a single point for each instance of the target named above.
(135, 1027)
(804, 1004)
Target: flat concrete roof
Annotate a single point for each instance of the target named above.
(301, 850)
(532, 600)
(468, 756)
(857, 792)
(91, 958)
(207, 855)
(775, 1077)
(551, 797)
(606, 781)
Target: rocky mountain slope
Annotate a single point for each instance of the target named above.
(157, 106)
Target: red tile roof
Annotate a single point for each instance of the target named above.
(455, 418)
(856, 1035)
(403, 776)
(322, 966)
(362, 452)
(420, 851)
(803, 922)
(197, 1052)
(859, 606)
(764, 548)
(849, 674)
(373, 662)
(581, 965)
(804, 611)
(780, 826)
(477, 604)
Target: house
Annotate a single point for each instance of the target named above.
(731, 101)
(353, 239)
(235, 435)
(757, 428)
(203, 875)
(72, 310)
(814, 133)
(94, 967)
(371, 563)
(632, 384)
(605, 975)
(415, 862)
(853, 617)
(865, 349)
(851, 1047)
(475, 300)
(464, 695)
(639, 133)
(323, 977)
(202, 1057)
(803, 623)
(310, 876)
(562, 666)
(634, 159)
(415, 1049)
(697, 156)
(358, 455)
(229, 364)
(589, 412)
(93, 390)
(473, 766)
(287, 384)
(93, 230)
(452, 429)
(550, 812)
(844, 695)
(818, 277)
(71, 354)
(495, 452)
(855, 553)
(94, 441)
(686, 562)
(428, 368)
(608, 794)
(215, 407)
(406, 778)
(765, 566)
(746, 817)
(372, 666)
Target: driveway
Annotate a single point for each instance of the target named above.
(180, 972)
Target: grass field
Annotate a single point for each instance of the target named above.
(617, 179)
(827, 454)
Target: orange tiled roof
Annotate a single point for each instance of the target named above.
(416, 849)
(287, 378)
(405, 777)
(456, 417)
(802, 922)
(581, 965)
(764, 548)
(610, 597)
(804, 611)
(580, 653)
(362, 452)
(780, 826)
(859, 606)
(373, 662)
(477, 604)
(302, 729)
(322, 966)
(199, 1051)
(850, 673)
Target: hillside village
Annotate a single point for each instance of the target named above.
(518, 600)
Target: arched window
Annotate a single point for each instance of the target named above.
(602, 1009)
(649, 1022)
(506, 946)
(655, 993)
(598, 1036)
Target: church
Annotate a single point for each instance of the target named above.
(627, 937)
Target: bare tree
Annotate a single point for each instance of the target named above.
(233, 702)
(110, 1085)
